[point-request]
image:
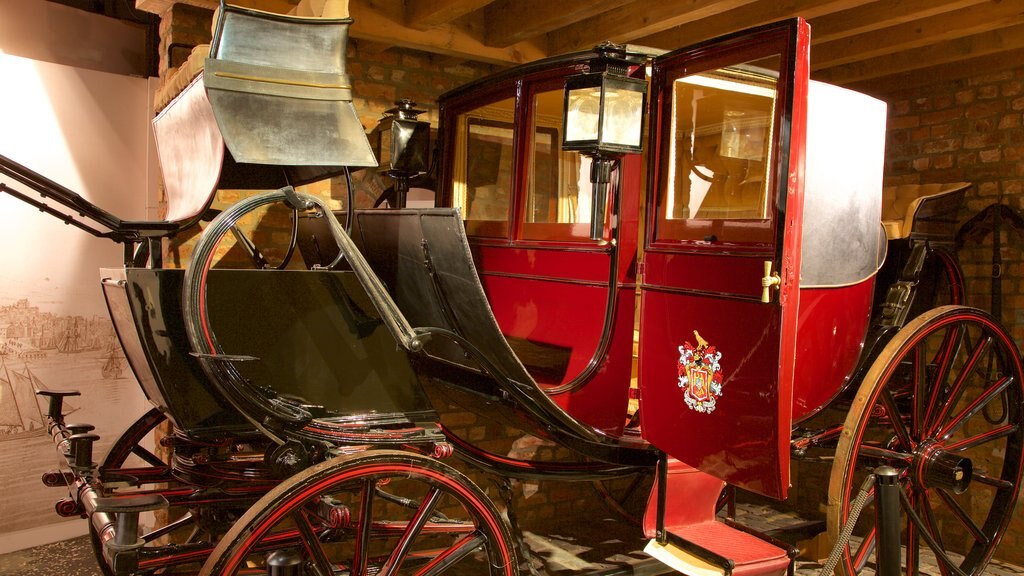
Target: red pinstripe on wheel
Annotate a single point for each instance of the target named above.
(938, 380)
(329, 476)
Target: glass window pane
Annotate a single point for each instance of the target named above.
(719, 155)
(559, 190)
(483, 167)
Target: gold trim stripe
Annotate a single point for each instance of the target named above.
(281, 81)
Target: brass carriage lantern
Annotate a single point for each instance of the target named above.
(603, 119)
(402, 145)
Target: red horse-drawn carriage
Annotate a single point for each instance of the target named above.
(742, 254)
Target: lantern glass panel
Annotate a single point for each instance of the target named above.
(623, 115)
(583, 114)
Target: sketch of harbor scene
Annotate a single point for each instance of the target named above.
(42, 350)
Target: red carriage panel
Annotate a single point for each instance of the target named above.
(565, 303)
(843, 242)
(717, 363)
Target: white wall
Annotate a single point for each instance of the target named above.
(89, 131)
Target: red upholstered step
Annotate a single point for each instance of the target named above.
(691, 496)
(750, 554)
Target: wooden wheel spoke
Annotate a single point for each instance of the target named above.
(964, 517)
(464, 547)
(920, 383)
(990, 481)
(979, 439)
(913, 545)
(931, 536)
(148, 457)
(311, 542)
(421, 517)
(362, 546)
(980, 402)
(898, 426)
(931, 524)
(867, 546)
(944, 359)
(958, 385)
(947, 353)
(884, 453)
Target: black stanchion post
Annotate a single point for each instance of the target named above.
(887, 520)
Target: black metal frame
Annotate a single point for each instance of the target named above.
(79, 212)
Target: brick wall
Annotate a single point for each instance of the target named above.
(970, 129)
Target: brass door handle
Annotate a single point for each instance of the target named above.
(770, 279)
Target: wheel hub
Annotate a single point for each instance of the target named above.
(938, 468)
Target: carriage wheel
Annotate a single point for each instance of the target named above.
(378, 512)
(129, 445)
(128, 451)
(129, 457)
(944, 405)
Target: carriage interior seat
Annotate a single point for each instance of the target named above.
(904, 205)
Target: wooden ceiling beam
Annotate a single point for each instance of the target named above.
(511, 21)
(992, 42)
(635, 20)
(880, 14)
(917, 33)
(370, 47)
(742, 17)
(447, 39)
(426, 14)
(888, 87)
(161, 6)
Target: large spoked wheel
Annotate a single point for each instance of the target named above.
(944, 405)
(129, 456)
(378, 512)
(177, 541)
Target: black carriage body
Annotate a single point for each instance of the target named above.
(315, 337)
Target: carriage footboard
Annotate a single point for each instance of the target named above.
(115, 521)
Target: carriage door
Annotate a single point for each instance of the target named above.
(725, 195)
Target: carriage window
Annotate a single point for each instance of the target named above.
(719, 156)
(558, 193)
(483, 167)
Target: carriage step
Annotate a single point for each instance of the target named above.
(696, 542)
(131, 504)
(716, 549)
